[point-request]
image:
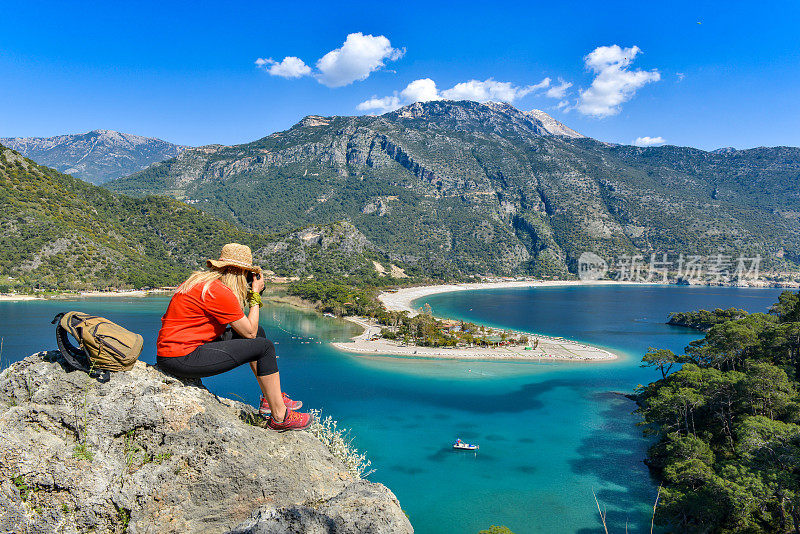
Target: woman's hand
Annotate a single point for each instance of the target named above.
(258, 283)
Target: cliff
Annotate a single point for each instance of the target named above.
(146, 452)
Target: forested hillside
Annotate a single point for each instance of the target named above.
(58, 232)
(463, 187)
(728, 425)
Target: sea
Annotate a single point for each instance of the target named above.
(557, 439)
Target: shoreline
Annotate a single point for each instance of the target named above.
(19, 298)
(132, 293)
(549, 348)
(136, 293)
(401, 299)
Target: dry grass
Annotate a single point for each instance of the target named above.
(339, 442)
(335, 439)
(603, 512)
(655, 504)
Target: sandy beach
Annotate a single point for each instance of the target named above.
(401, 300)
(132, 293)
(549, 348)
(18, 298)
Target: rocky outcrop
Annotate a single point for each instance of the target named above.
(146, 452)
(551, 125)
(337, 249)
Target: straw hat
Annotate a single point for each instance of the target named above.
(235, 255)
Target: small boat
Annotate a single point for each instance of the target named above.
(463, 446)
(326, 314)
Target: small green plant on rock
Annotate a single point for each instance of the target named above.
(339, 444)
(253, 419)
(160, 457)
(81, 451)
(22, 487)
(494, 529)
(181, 467)
(123, 517)
(136, 454)
(131, 449)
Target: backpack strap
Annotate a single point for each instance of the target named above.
(75, 357)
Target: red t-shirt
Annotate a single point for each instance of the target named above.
(191, 321)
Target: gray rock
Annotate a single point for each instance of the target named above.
(363, 507)
(147, 452)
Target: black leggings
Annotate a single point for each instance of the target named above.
(215, 357)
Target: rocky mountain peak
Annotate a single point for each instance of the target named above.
(119, 139)
(493, 114)
(96, 156)
(314, 120)
(553, 126)
(437, 109)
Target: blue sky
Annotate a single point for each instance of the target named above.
(186, 72)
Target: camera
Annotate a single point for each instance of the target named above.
(251, 276)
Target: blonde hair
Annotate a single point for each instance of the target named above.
(232, 277)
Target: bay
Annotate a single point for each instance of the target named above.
(550, 433)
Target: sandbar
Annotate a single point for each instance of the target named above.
(548, 348)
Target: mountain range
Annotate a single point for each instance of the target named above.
(458, 187)
(97, 156)
(59, 232)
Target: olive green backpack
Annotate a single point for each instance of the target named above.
(102, 344)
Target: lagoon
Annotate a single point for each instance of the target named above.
(550, 433)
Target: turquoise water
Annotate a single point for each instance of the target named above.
(550, 433)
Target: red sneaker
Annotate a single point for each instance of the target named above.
(264, 409)
(292, 421)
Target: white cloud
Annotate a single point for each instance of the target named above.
(359, 56)
(544, 84)
(420, 91)
(356, 59)
(483, 91)
(614, 84)
(424, 90)
(560, 90)
(649, 141)
(380, 105)
(290, 67)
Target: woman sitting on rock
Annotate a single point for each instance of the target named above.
(194, 342)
